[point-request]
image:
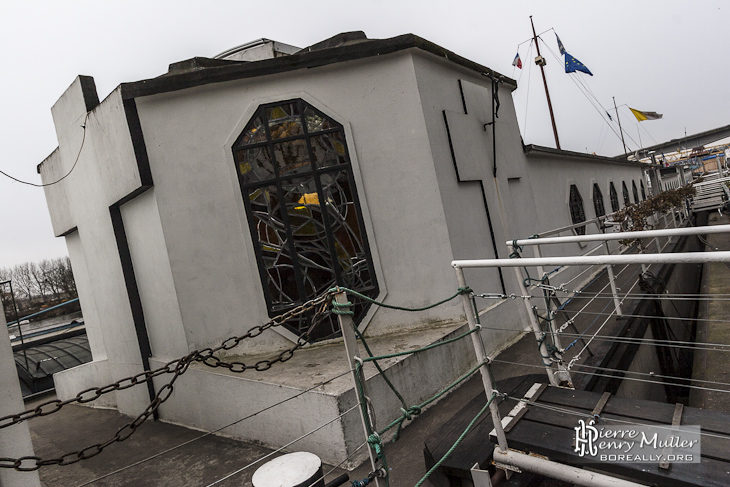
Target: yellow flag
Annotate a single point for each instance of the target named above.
(641, 116)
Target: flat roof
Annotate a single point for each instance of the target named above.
(203, 71)
(532, 149)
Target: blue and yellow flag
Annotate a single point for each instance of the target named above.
(572, 65)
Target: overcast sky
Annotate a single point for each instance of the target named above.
(663, 56)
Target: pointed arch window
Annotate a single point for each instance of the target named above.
(635, 191)
(598, 201)
(625, 191)
(577, 212)
(303, 211)
(643, 191)
(614, 197)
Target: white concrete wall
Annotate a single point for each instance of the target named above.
(154, 278)
(207, 399)
(106, 170)
(529, 194)
(15, 440)
(188, 135)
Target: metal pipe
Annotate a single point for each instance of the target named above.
(482, 357)
(674, 258)
(600, 237)
(20, 330)
(45, 310)
(353, 355)
(612, 281)
(536, 328)
(559, 471)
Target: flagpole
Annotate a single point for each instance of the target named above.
(540, 62)
(619, 126)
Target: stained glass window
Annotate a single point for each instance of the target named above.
(303, 211)
(614, 197)
(625, 191)
(577, 213)
(635, 191)
(598, 201)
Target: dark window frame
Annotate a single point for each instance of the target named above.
(625, 192)
(598, 205)
(577, 210)
(643, 191)
(613, 196)
(305, 169)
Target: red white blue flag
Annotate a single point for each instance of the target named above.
(517, 61)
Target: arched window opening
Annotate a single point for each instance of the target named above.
(577, 213)
(614, 198)
(598, 201)
(643, 191)
(635, 191)
(303, 212)
(625, 190)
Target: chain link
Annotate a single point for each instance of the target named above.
(176, 367)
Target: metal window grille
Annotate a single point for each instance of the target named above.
(303, 211)
(598, 201)
(577, 213)
(613, 196)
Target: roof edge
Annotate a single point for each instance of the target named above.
(539, 149)
(300, 60)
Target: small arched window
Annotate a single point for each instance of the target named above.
(643, 191)
(303, 212)
(625, 190)
(635, 191)
(577, 213)
(598, 201)
(614, 198)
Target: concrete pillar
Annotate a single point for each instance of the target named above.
(656, 185)
(14, 440)
(680, 175)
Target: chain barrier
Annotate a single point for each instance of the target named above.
(319, 307)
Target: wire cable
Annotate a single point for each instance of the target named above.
(715, 347)
(283, 447)
(589, 415)
(635, 379)
(338, 465)
(83, 140)
(156, 455)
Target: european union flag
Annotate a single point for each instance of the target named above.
(572, 65)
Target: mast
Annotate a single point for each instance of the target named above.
(619, 125)
(540, 61)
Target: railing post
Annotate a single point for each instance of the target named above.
(565, 375)
(612, 281)
(540, 269)
(353, 356)
(481, 355)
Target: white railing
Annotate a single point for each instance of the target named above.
(562, 373)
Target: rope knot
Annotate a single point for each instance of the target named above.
(410, 412)
(376, 444)
(337, 308)
(465, 290)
